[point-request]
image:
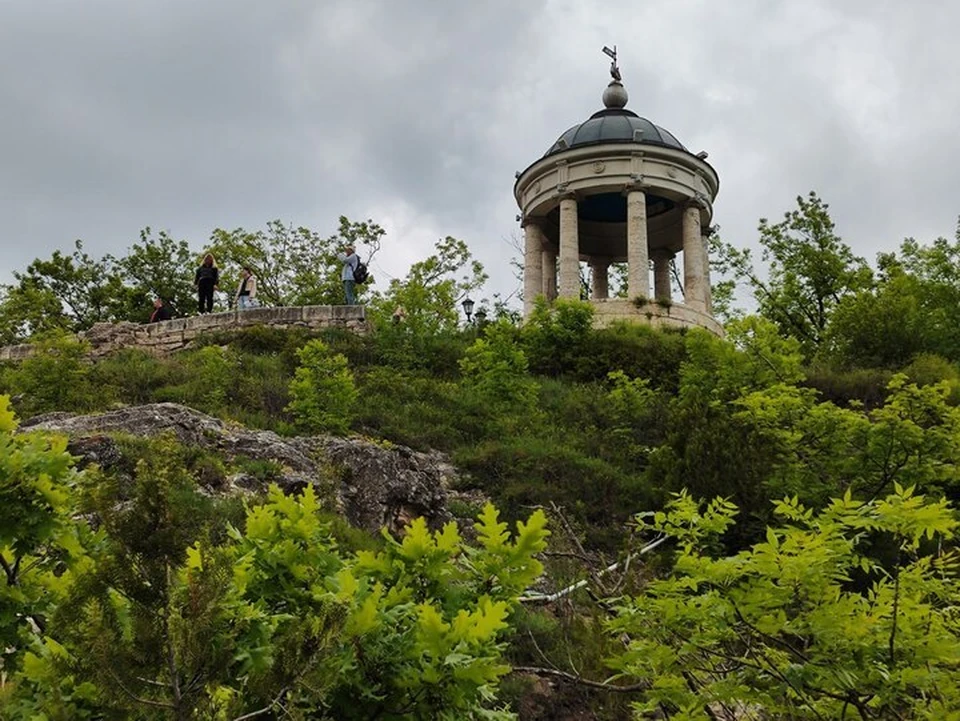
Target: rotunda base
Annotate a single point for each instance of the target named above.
(659, 314)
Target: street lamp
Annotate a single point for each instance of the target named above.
(467, 308)
(481, 317)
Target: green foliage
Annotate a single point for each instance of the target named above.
(809, 271)
(431, 292)
(495, 374)
(156, 267)
(28, 309)
(84, 286)
(864, 387)
(556, 335)
(293, 266)
(176, 623)
(38, 542)
(57, 376)
(743, 428)
(804, 625)
(524, 471)
(637, 350)
(322, 392)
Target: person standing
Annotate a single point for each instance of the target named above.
(206, 280)
(350, 262)
(246, 296)
(160, 311)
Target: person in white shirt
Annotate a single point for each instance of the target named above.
(246, 296)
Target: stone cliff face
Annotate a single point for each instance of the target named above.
(374, 485)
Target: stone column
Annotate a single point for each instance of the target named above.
(693, 269)
(661, 273)
(707, 291)
(601, 284)
(638, 263)
(549, 274)
(569, 249)
(532, 265)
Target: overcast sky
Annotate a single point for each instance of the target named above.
(187, 116)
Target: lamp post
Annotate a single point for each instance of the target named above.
(481, 317)
(467, 308)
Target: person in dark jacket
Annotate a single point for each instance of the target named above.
(160, 311)
(206, 280)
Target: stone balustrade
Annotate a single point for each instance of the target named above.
(170, 336)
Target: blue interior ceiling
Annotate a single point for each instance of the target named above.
(612, 207)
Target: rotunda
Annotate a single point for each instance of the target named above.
(617, 188)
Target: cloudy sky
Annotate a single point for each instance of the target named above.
(188, 116)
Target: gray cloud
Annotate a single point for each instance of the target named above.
(189, 116)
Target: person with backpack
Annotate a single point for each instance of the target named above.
(206, 280)
(351, 263)
(246, 296)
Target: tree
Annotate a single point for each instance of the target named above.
(804, 625)
(76, 289)
(293, 265)
(810, 270)
(28, 309)
(156, 267)
(177, 617)
(39, 543)
(430, 294)
(322, 392)
(912, 307)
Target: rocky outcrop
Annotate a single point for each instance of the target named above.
(172, 335)
(374, 485)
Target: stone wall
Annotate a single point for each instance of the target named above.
(170, 336)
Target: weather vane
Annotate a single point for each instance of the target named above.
(614, 70)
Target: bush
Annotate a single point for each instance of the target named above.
(134, 376)
(867, 386)
(495, 375)
(526, 471)
(322, 391)
(556, 336)
(55, 378)
(638, 350)
(928, 369)
(416, 409)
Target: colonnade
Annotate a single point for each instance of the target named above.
(542, 259)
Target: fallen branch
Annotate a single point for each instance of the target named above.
(552, 597)
(574, 678)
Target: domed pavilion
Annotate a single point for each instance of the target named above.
(617, 188)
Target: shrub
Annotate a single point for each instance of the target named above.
(494, 371)
(556, 335)
(526, 471)
(322, 391)
(133, 376)
(928, 368)
(55, 378)
(638, 350)
(866, 386)
(416, 409)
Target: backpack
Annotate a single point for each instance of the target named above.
(360, 273)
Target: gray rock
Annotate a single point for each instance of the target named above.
(375, 485)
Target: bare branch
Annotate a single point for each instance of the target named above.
(139, 699)
(574, 678)
(551, 597)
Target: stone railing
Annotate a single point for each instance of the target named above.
(170, 336)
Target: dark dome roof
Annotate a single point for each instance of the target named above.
(614, 125)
